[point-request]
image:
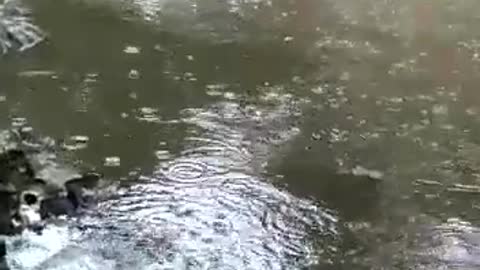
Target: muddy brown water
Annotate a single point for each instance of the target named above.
(257, 134)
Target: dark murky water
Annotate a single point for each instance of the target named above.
(254, 134)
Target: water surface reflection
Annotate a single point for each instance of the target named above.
(212, 207)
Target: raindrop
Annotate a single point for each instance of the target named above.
(112, 162)
(471, 111)
(372, 174)
(288, 38)
(189, 76)
(134, 74)
(3, 98)
(316, 136)
(36, 73)
(230, 95)
(159, 48)
(162, 154)
(133, 95)
(148, 114)
(131, 50)
(426, 182)
(76, 142)
(318, 90)
(214, 89)
(19, 121)
(345, 76)
(298, 80)
(440, 109)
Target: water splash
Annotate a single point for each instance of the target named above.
(211, 207)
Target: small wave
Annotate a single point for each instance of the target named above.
(207, 208)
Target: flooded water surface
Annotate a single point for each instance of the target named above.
(252, 134)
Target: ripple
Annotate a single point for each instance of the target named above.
(242, 222)
(187, 171)
(208, 207)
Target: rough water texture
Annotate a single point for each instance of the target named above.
(208, 208)
(391, 105)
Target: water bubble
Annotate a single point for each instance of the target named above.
(426, 182)
(316, 136)
(19, 121)
(440, 109)
(361, 171)
(215, 89)
(345, 76)
(230, 95)
(133, 95)
(76, 142)
(112, 161)
(131, 50)
(162, 154)
(288, 39)
(159, 48)
(471, 111)
(134, 74)
(318, 90)
(148, 114)
(36, 73)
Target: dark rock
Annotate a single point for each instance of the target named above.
(3, 254)
(57, 206)
(20, 186)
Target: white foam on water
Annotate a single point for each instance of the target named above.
(63, 248)
(29, 249)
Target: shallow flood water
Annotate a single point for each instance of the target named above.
(256, 134)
